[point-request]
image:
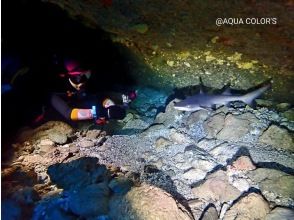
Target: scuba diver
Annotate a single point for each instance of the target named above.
(77, 104)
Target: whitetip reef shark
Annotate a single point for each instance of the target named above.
(209, 101)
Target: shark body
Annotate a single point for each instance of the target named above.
(204, 101)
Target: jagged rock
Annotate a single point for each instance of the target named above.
(148, 101)
(214, 124)
(235, 127)
(289, 114)
(278, 138)
(86, 144)
(224, 151)
(197, 169)
(280, 213)
(77, 173)
(210, 214)
(93, 134)
(146, 202)
(44, 149)
(209, 144)
(169, 116)
(57, 137)
(196, 117)
(243, 163)
(90, 201)
(158, 164)
(32, 160)
(120, 186)
(194, 174)
(237, 171)
(275, 185)
(197, 207)
(217, 188)
(264, 103)
(162, 142)
(283, 106)
(204, 164)
(154, 128)
(45, 130)
(136, 124)
(253, 206)
(178, 137)
(46, 142)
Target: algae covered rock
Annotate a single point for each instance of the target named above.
(275, 185)
(278, 138)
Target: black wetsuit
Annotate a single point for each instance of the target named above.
(64, 104)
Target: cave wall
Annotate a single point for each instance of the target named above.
(172, 43)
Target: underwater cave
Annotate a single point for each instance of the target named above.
(147, 109)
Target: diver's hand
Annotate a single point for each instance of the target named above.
(100, 121)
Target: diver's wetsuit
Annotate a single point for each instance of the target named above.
(63, 104)
(65, 109)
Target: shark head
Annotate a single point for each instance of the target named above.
(186, 105)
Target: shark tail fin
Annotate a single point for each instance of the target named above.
(251, 96)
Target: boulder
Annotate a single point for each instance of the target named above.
(90, 201)
(280, 213)
(56, 131)
(146, 202)
(198, 116)
(216, 188)
(93, 134)
(278, 138)
(162, 142)
(235, 128)
(57, 137)
(120, 185)
(275, 185)
(243, 163)
(252, 206)
(77, 173)
(210, 214)
(214, 124)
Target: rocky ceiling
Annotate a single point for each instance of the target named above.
(171, 43)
